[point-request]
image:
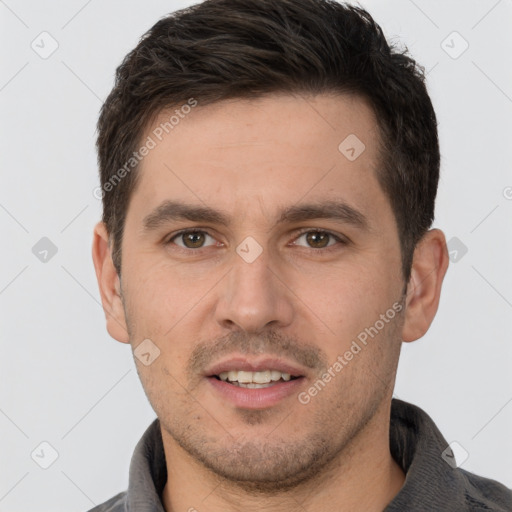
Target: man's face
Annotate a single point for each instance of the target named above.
(254, 289)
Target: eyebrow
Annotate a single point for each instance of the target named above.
(170, 211)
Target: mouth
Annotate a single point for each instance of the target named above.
(254, 380)
(254, 384)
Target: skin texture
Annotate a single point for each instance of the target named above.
(304, 299)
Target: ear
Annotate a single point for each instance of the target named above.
(109, 285)
(429, 266)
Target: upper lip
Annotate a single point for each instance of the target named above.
(253, 365)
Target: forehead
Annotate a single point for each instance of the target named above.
(274, 150)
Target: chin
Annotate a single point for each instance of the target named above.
(256, 466)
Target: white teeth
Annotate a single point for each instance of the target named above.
(256, 378)
(244, 377)
(261, 377)
(253, 385)
(275, 375)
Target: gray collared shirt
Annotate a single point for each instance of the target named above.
(432, 483)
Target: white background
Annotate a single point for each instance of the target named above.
(66, 382)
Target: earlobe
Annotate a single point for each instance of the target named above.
(109, 285)
(429, 267)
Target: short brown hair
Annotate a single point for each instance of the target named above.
(226, 49)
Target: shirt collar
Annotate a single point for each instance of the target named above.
(148, 472)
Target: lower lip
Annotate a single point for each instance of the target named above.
(251, 398)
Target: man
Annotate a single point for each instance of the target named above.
(269, 171)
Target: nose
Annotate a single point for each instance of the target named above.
(254, 296)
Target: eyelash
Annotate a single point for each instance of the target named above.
(340, 240)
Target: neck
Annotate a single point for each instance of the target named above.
(362, 477)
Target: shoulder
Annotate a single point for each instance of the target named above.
(484, 494)
(115, 504)
(417, 445)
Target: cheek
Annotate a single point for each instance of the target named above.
(341, 297)
(165, 387)
(162, 305)
(161, 296)
(346, 303)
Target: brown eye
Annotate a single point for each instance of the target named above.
(317, 239)
(192, 239)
